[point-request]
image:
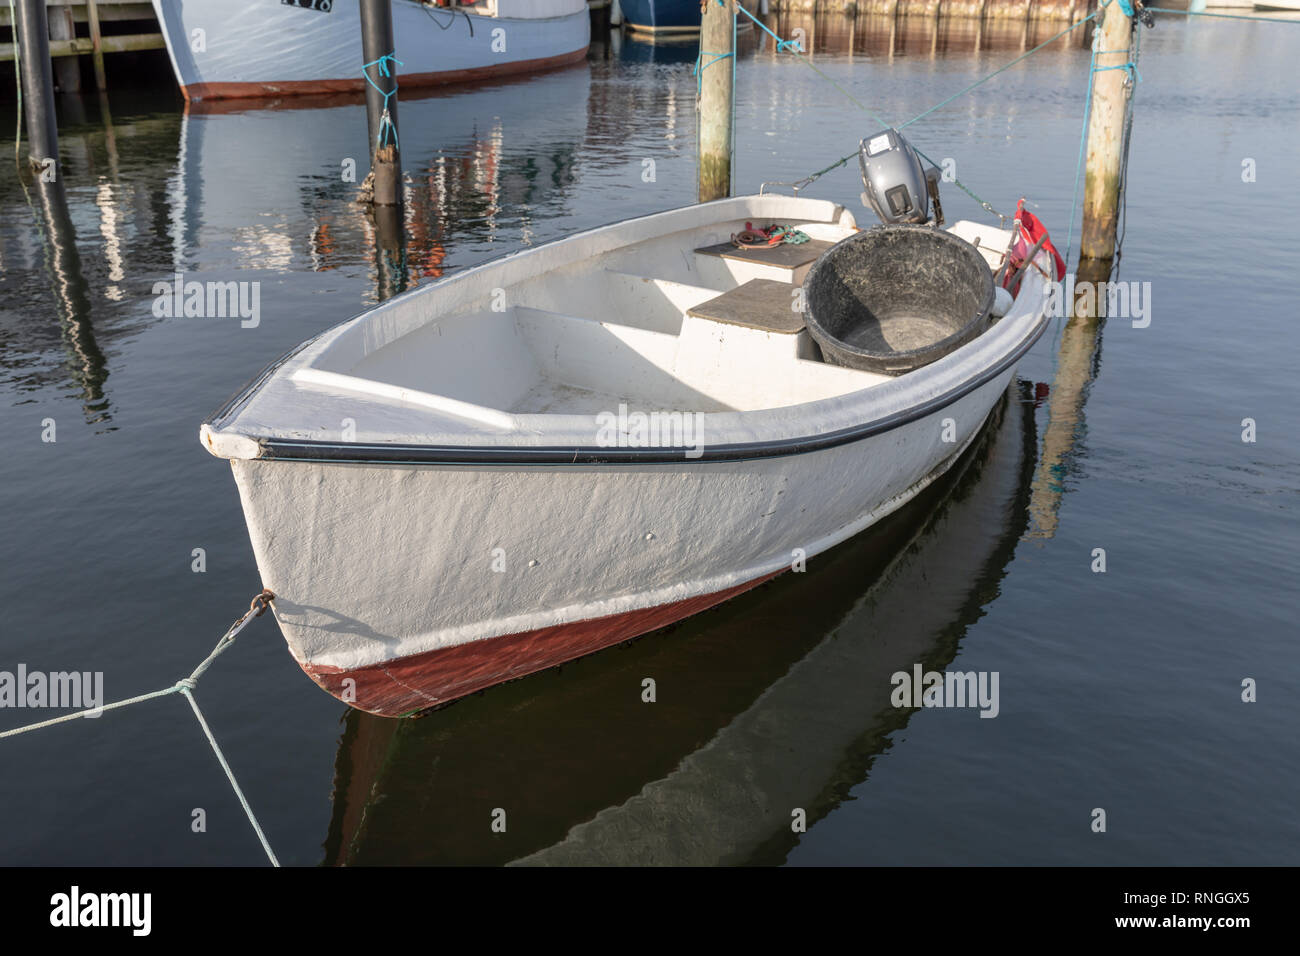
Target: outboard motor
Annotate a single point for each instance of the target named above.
(898, 187)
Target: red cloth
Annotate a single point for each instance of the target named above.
(1031, 230)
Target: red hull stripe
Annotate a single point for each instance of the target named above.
(421, 681)
(203, 91)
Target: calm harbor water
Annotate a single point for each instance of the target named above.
(1119, 691)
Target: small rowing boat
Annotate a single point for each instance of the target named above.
(588, 440)
(220, 49)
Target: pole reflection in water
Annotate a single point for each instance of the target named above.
(479, 169)
(1078, 360)
(778, 699)
(391, 275)
(72, 298)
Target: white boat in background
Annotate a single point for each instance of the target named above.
(570, 446)
(222, 49)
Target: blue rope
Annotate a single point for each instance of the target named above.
(781, 45)
(1220, 16)
(1001, 69)
(794, 46)
(1093, 69)
(1131, 65)
(797, 50)
(385, 119)
(699, 70)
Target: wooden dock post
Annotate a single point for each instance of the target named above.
(717, 65)
(381, 102)
(1111, 90)
(33, 34)
(96, 44)
(66, 68)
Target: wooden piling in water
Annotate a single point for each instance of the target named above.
(66, 69)
(717, 64)
(96, 44)
(1111, 89)
(66, 48)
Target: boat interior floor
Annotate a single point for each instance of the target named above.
(679, 322)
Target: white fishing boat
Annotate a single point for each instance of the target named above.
(220, 49)
(591, 439)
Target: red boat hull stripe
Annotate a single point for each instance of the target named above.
(203, 91)
(421, 681)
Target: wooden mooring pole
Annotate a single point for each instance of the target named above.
(717, 64)
(1111, 89)
(66, 68)
(96, 44)
(37, 77)
(381, 101)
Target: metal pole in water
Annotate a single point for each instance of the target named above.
(1111, 90)
(33, 34)
(716, 64)
(381, 100)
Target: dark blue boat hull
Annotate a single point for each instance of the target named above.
(662, 14)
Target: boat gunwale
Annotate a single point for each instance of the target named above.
(386, 453)
(271, 448)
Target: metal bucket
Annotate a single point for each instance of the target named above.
(896, 297)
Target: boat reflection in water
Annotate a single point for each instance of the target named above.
(276, 179)
(777, 699)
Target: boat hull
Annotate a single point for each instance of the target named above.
(475, 575)
(411, 684)
(432, 524)
(662, 16)
(254, 49)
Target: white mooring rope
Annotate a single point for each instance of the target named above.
(186, 687)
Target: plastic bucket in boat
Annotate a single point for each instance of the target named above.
(896, 297)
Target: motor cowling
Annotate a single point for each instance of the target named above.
(897, 186)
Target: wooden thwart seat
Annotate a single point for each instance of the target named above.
(764, 304)
(785, 255)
